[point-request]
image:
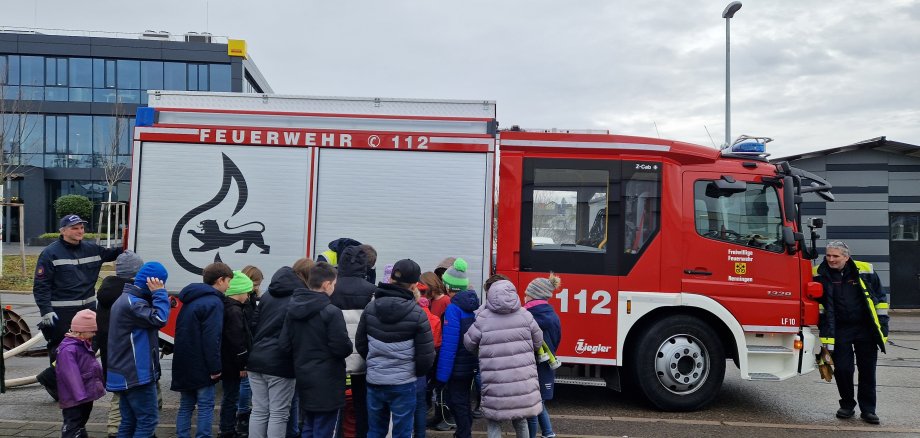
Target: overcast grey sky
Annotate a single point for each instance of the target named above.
(810, 74)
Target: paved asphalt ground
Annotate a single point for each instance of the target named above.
(802, 406)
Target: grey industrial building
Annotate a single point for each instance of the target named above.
(877, 208)
(62, 96)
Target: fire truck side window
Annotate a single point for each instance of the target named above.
(641, 209)
(567, 212)
(750, 218)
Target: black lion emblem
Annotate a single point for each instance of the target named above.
(212, 237)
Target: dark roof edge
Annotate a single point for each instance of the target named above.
(877, 143)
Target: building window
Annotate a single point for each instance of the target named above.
(9, 70)
(81, 72)
(198, 77)
(56, 72)
(32, 70)
(220, 77)
(905, 227)
(104, 73)
(4, 70)
(174, 76)
(128, 96)
(104, 95)
(80, 138)
(81, 94)
(129, 74)
(22, 136)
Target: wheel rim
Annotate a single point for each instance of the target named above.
(682, 364)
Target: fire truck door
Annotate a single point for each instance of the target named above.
(733, 250)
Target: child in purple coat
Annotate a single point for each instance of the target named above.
(79, 374)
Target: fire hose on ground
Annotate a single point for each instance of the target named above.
(21, 381)
(18, 338)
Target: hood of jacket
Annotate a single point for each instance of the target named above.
(353, 262)
(307, 303)
(338, 245)
(503, 298)
(195, 291)
(393, 303)
(137, 291)
(466, 300)
(284, 282)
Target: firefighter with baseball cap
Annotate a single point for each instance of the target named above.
(65, 282)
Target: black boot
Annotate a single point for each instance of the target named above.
(242, 424)
(48, 379)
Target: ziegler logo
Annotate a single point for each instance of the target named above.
(581, 348)
(209, 232)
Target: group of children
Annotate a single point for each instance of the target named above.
(315, 332)
(493, 348)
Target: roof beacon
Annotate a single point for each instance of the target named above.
(746, 145)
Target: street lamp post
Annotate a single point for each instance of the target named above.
(727, 14)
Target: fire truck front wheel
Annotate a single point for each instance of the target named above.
(678, 363)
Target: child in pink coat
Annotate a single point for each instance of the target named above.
(79, 375)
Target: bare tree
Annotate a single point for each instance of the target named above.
(16, 134)
(115, 168)
(16, 130)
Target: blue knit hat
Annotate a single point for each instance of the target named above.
(150, 270)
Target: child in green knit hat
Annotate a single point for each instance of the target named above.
(236, 341)
(455, 277)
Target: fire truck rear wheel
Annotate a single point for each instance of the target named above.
(679, 363)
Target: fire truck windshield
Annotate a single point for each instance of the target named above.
(749, 218)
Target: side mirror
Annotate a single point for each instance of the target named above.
(788, 199)
(814, 290)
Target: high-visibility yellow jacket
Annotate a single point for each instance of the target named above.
(876, 302)
(329, 256)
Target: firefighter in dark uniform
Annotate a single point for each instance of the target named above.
(853, 319)
(65, 281)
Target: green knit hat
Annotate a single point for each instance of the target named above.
(239, 284)
(455, 277)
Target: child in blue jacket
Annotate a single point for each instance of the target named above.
(456, 365)
(133, 367)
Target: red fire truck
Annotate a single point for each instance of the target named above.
(674, 258)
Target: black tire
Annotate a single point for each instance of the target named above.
(678, 363)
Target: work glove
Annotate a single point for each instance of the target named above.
(49, 319)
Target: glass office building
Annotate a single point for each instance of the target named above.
(66, 101)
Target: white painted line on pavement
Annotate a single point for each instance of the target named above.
(737, 424)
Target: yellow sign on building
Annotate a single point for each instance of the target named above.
(236, 48)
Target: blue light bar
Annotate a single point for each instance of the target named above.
(749, 148)
(146, 116)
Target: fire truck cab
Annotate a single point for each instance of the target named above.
(673, 258)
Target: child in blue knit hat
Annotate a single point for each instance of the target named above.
(133, 367)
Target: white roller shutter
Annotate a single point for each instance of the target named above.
(175, 180)
(407, 204)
